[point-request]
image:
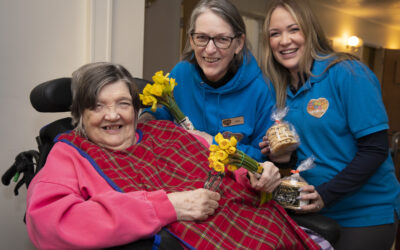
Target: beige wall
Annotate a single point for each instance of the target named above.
(339, 26)
(43, 40)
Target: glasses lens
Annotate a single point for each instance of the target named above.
(200, 40)
(222, 42)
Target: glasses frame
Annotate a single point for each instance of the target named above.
(212, 38)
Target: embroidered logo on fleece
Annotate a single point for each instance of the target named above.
(317, 107)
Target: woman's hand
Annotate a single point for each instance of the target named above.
(316, 202)
(145, 117)
(192, 205)
(205, 135)
(265, 150)
(269, 180)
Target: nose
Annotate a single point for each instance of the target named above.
(112, 113)
(211, 46)
(285, 38)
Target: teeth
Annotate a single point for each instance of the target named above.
(210, 60)
(112, 127)
(288, 51)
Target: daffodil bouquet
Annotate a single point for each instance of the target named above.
(227, 154)
(161, 92)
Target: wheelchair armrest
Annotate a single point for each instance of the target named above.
(324, 226)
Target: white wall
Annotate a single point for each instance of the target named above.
(43, 40)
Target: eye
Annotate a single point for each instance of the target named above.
(223, 39)
(125, 104)
(294, 30)
(201, 38)
(98, 107)
(273, 34)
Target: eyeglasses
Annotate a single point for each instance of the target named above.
(221, 42)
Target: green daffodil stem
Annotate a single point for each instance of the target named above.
(175, 110)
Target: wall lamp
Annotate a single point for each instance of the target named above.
(353, 43)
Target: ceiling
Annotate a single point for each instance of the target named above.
(385, 12)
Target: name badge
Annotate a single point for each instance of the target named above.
(233, 121)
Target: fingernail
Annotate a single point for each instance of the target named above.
(298, 197)
(300, 189)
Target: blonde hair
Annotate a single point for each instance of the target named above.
(316, 47)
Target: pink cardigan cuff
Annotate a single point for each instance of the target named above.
(164, 209)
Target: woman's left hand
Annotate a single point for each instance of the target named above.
(269, 180)
(316, 202)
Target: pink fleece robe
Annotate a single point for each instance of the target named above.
(69, 205)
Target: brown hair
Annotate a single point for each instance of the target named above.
(316, 46)
(88, 80)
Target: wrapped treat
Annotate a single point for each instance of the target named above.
(287, 193)
(282, 135)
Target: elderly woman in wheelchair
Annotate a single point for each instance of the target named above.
(111, 181)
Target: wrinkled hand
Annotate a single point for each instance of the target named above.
(265, 150)
(316, 202)
(205, 135)
(192, 205)
(145, 117)
(269, 180)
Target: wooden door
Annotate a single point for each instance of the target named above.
(391, 88)
(391, 97)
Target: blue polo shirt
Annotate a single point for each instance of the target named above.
(330, 112)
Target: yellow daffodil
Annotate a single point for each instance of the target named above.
(218, 138)
(147, 99)
(162, 91)
(231, 150)
(227, 154)
(157, 90)
(147, 89)
(221, 155)
(232, 167)
(233, 141)
(224, 144)
(158, 77)
(213, 148)
(219, 167)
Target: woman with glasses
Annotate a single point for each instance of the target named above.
(220, 85)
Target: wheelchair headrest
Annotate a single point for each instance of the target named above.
(55, 95)
(52, 96)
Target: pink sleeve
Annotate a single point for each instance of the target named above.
(241, 177)
(70, 206)
(202, 140)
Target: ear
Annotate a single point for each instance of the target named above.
(240, 43)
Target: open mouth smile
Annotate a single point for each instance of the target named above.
(210, 60)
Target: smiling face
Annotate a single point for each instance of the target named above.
(111, 123)
(286, 39)
(214, 61)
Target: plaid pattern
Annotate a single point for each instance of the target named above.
(169, 158)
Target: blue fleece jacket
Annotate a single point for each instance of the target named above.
(241, 107)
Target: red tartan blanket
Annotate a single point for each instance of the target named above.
(169, 158)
